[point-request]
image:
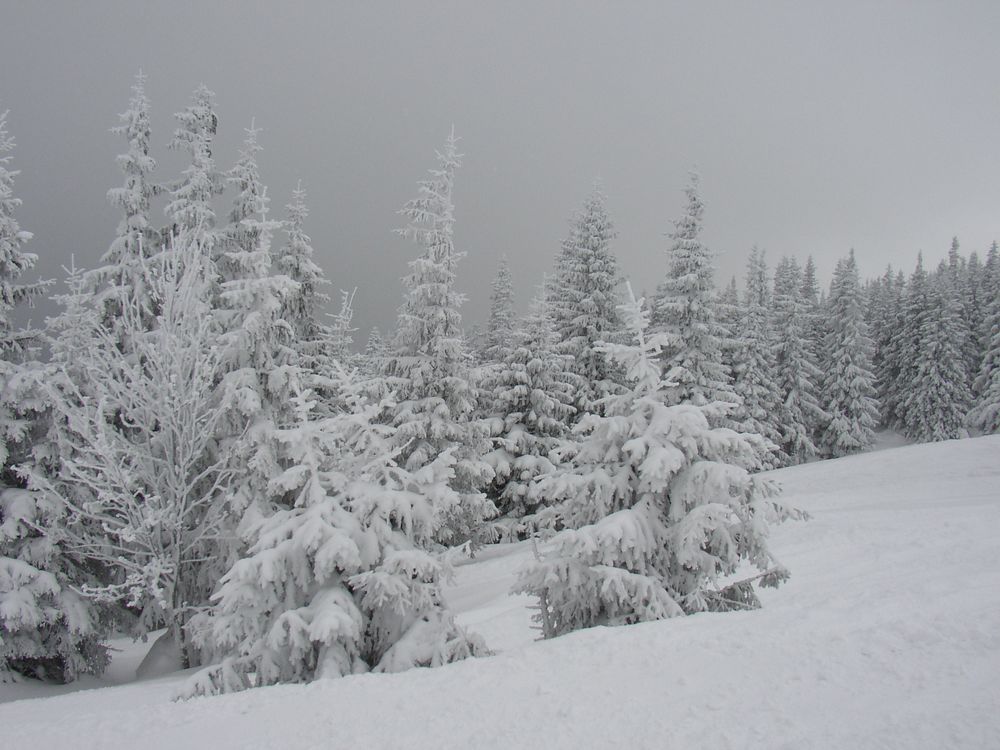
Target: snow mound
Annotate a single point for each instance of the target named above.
(886, 636)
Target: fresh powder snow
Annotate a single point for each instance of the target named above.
(887, 635)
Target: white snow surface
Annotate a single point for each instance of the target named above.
(886, 636)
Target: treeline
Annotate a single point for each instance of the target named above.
(201, 449)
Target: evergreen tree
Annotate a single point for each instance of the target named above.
(684, 312)
(260, 366)
(905, 345)
(848, 385)
(500, 328)
(427, 368)
(658, 506)
(295, 260)
(938, 397)
(730, 313)
(953, 288)
(886, 318)
(754, 373)
(531, 393)
(809, 294)
(190, 205)
(985, 415)
(14, 260)
(136, 240)
(338, 582)
(374, 355)
(799, 412)
(583, 298)
(46, 628)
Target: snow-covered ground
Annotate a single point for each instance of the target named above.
(887, 635)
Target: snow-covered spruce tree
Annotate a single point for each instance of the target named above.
(848, 385)
(427, 367)
(754, 372)
(190, 205)
(295, 260)
(260, 367)
(374, 354)
(340, 331)
(583, 295)
(531, 395)
(938, 397)
(730, 314)
(799, 413)
(136, 468)
(952, 283)
(904, 345)
(684, 312)
(136, 239)
(886, 318)
(989, 293)
(985, 415)
(815, 324)
(338, 582)
(659, 507)
(500, 327)
(14, 262)
(46, 629)
(974, 307)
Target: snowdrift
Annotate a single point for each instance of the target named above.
(887, 635)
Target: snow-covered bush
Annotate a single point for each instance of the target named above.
(660, 508)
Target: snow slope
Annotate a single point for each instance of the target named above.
(887, 635)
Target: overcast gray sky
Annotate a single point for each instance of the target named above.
(816, 127)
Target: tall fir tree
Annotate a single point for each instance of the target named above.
(503, 319)
(799, 411)
(295, 260)
(754, 372)
(848, 385)
(260, 366)
(953, 285)
(47, 629)
(374, 354)
(427, 367)
(730, 315)
(904, 346)
(190, 205)
(584, 299)
(985, 415)
(136, 240)
(938, 398)
(809, 293)
(886, 318)
(684, 312)
(531, 392)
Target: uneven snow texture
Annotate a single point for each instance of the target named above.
(886, 636)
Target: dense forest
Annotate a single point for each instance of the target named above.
(195, 443)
